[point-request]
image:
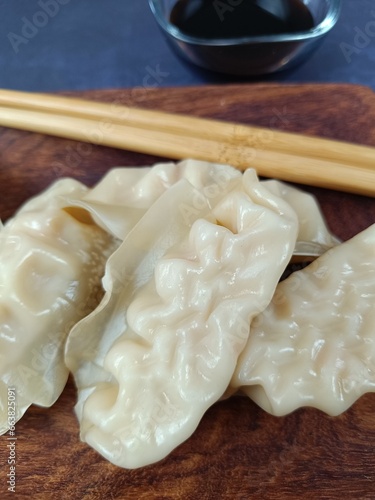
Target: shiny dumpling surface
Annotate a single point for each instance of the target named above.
(123, 195)
(51, 265)
(313, 231)
(181, 291)
(315, 343)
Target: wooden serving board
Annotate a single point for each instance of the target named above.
(238, 450)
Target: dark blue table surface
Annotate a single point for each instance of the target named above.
(51, 45)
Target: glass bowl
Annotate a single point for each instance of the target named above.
(257, 55)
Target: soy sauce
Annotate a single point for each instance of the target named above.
(240, 18)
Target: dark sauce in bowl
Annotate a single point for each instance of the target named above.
(227, 19)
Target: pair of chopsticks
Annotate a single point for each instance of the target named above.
(289, 157)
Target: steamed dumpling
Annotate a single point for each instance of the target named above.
(51, 265)
(315, 343)
(181, 291)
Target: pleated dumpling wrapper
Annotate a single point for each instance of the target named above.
(51, 265)
(314, 236)
(123, 195)
(181, 292)
(315, 343)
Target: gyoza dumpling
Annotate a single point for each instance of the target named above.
(315, 343)
(52, 244)
(181, 291)
(51, 265)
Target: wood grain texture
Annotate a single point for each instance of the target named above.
(238, 451)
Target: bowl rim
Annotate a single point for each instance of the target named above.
(317, 31)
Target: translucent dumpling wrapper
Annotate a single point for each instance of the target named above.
(315, 343)
(122, 197)
(51, 265)
(314, 235)
(181, 291)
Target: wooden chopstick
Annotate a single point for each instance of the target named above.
(290, 157)
(235, 133)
